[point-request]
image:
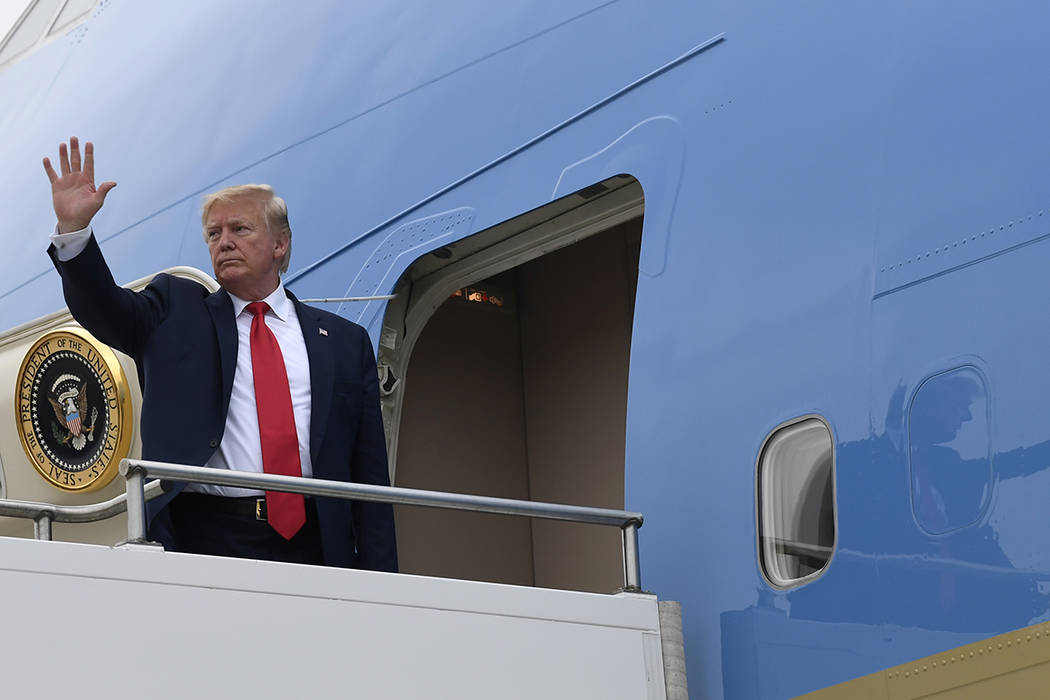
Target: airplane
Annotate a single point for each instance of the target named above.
(771, 274)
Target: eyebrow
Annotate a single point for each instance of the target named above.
(231, 220)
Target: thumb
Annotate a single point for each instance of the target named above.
(104, 189)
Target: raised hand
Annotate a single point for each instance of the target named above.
(73, 194)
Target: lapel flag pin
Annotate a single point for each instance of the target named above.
(322, 331)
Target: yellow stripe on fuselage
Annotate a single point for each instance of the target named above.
(1011, 665)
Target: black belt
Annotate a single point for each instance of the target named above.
(246, 507)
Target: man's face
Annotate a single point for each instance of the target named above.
(245, 257)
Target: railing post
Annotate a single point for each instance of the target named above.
(136, 478)
(42, 526)
(632, 574)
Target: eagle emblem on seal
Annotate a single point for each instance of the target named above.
(69, 399)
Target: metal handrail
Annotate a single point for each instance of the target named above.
(44, 514)
(136, 471)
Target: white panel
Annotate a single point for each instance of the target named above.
(73, 10)
(31, 29)
(654, 666)
(171, 625)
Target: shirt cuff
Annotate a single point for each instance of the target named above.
(70, 245)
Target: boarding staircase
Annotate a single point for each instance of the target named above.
(97, 621)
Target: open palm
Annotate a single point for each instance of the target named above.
(73, 193)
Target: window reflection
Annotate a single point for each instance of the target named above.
(949, 450)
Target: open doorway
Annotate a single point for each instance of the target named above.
(510, 380)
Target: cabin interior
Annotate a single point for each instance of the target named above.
(514, 384)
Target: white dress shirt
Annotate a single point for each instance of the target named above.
(241, 448)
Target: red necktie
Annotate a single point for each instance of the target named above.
(273, 401)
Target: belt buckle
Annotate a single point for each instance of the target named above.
(260, 503)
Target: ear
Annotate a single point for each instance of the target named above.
(280, 246)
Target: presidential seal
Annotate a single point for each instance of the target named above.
(74, 410)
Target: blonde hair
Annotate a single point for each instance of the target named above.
(274, 211)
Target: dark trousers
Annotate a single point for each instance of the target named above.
(228, 527)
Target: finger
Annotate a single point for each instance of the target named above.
(74, 153)
(89, 161)
(63, 158)
(104, 189)
(51, 174)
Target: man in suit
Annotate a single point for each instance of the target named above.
(244, 378)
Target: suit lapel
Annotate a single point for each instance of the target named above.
(220, 306)
(322, 372)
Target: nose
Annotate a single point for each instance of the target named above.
(226, 239)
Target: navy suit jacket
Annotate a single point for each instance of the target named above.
(184, 341)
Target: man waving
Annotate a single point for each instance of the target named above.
(244, 378)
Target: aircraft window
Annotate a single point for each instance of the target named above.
(74, 10)
(950, 451)
(796, 502)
